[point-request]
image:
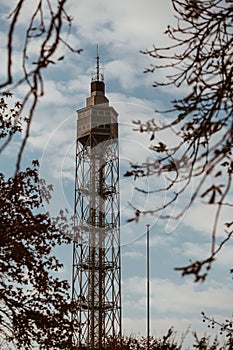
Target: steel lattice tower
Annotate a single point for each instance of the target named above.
(96, 278)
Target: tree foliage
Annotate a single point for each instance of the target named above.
(167, 342)
(199, 59)
(35, 304)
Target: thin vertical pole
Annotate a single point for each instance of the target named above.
(148, 286)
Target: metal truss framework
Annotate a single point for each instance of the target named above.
(96, 280)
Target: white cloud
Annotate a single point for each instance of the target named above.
(201, 217)
(121, 22)
(202, 251)
(124, 72)
(162, 240)
(183, 298)
(132, 255)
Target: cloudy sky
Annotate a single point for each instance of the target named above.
(122, 29)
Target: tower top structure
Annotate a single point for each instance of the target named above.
(97, 86)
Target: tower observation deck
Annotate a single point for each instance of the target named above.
(96, 277)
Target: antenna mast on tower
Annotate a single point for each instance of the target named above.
(97, 63)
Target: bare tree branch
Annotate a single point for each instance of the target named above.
(200, 60)
(49, 37)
